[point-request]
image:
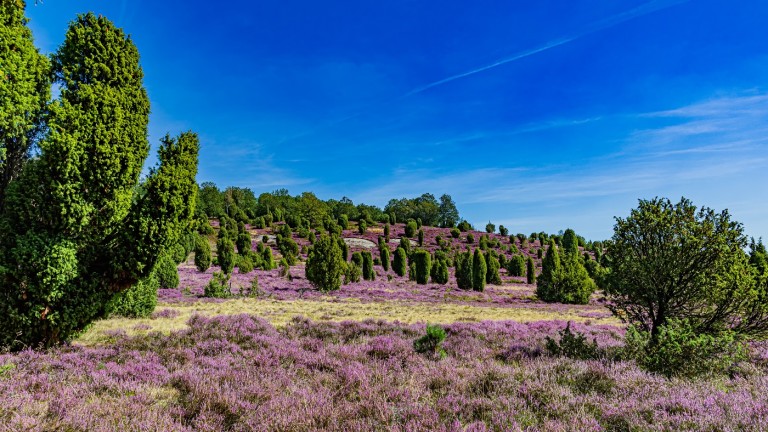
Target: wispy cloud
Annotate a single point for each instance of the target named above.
(609, 22)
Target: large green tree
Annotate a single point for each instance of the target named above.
(78, 227)
(24, 92)
(325, 265)
(674, 261)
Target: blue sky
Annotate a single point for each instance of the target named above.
(535, 115)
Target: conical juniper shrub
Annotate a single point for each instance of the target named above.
(479, 269)
(440, 272)
(368, 273)
(244, 264)
(516, 265)
(530, 272)
(267, 259)
(167, 273)
(400, 262)
(325, 265)
(406, 245)
(384, 256)
(243, 243)
(423, 264)
(492, 276)
(410, 228)
(421, 238)
(357, 258)
(464, 278)
(225, 251)
(138, 301)
(362, 227)
(202, 254)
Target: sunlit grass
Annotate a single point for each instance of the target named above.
(280, 312)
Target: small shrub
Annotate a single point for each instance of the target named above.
(410, 228)
(362, 227)
(400, 262)
(344, 221)
(421, 237)
(492, 276)
(572, 345)
(325, 264)
(422, 261)
(431, 343)
(406, 245)
(479, 270)
(368, 273)
(516, 265)
(470, 239)
(386, 232)
(285, 269)
(464, 270)
(530, 272)
(202, 254)
(218, 286)
(225, 251)
(179, 253)
(353, 273)
(267, 259)
(464, 226)
(244, 265)
(490, 228)
(384, 257)
(167, 273)
(503, 230)
(440, 272)
(138, 301)
(455, 233)
(243, 243)
(680, 350)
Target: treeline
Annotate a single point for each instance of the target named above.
(242, 205)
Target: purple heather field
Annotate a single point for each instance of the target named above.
(241, 373)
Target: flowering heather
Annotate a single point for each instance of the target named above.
(239, 373)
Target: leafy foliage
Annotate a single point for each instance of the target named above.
(167, 272)
(138, 301)
(431, 343)
(674, 261)
(218, 286)
(76, 227)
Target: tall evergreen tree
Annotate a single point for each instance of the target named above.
(550, 267)
(570, 242)
(464, 278)
(530, 272)
(24, 91)
(77, 228)
(325, 265)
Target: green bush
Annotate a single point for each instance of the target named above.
(267, 259)
(572, 345)
(225, 252)
(464, 278)
(423, 266)
(400, 262)
(244, 264)
(353, 273)
(492, 276)
(503, 230)
(243, 243)
(564, 281)
(455, 233)
(431, 343)
(479, 270)
(440, 272)
(384, 257)
(357, 258)
(464, 226)
(138, 301)
(202, 254)
(368, 273)
(344, 221)
(516, 265)
(405, 243)
(681, 350)
(470, 239)
(490, 228)
(362, 227)
(410, 228)
(218, 286)
(530, 272)
(178, 253)
(386, 232)
(421, 238)
(167, 273)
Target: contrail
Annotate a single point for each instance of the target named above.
(644, 9)
(639, 11)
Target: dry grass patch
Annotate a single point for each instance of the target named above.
(280, 312)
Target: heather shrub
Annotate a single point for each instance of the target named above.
(400, 262)
(455, 233)
(225, 252)
(479, 270)
(167, 273)
(516, 265)
(470, 238)
(682, 350)
(492, 273)
(421, 237)
(384, 257)
(490, 228)
(422, 261)
(218, 286)
(464, 278)
(572, 345)
(410, 228)
(244, 264)
(530, 272)
(431, 343)
(138, 301)
(368, 273)
(325, 264)
(362, 227)
(440, 272)
(202, 254)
